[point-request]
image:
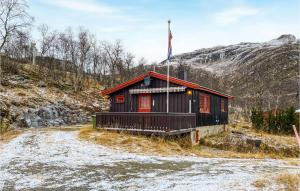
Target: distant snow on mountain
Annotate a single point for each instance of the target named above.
(222, 60)
(258, 74)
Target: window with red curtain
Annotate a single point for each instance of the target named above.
(204, 103)
(222, 105)
(144, 103)
(120, 99)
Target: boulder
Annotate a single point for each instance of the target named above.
(42, 84)
(256, 142)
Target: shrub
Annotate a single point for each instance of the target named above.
(290, 119)
(278, 123)
(9, 66)
(257, 119)
(271, 123)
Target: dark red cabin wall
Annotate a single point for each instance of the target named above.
(131, 101)
(120, 107)
(179, 102)
(216, 116)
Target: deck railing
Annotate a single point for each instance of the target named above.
(146, 122)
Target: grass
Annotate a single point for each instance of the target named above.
(158, 145)
(246, 126)
(222, 142)
(293, 162)
(283, 181)
(262, 183)
(134, 143)
(272, 146)
(9, 135)
(290, 182)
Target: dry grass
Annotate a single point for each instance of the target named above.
(157, 145)
(290, 182)
(293, 162)
(21, 94)
(283, 181)
(9, 135)
(134, 143)
(276, 146)
(246, 126)
(243, 151)
(262, 183)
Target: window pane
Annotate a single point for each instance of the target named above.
(120, 99)
(145, 102)
(222, 105)
(204, 103)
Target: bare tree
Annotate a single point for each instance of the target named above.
(128, 62)
(18, 45)
(96, 58)
(84, 47)
(114, 54)
(141, 66)
(13, 17)
(104, 65)
(64, 46)
(73, 58)
(47, 39)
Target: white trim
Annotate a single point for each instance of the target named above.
(157, 90)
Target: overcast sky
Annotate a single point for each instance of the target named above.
(142, 24)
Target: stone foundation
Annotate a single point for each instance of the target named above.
(201, 132)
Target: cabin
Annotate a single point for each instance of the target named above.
(140, 105)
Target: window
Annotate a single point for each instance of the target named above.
(120, 99)
(144, 103)
(204, 104)
(222, 105)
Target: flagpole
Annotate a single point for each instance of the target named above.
(168, 79)
(168, 70)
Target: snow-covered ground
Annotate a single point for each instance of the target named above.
(40, 159)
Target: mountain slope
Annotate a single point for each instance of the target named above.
(258, 74)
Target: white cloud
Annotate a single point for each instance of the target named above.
(84, 6)
(233, 15)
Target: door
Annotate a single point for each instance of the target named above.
(144, 103)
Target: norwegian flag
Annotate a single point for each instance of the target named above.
(170, 43)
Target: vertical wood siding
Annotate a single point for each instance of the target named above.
(179, 102)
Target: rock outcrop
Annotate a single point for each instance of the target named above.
(51, 115)
(28, 103)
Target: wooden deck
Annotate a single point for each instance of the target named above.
(147, 123)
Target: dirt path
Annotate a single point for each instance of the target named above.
(57, 160)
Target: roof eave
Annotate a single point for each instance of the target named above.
(163, 77)
(123, 85)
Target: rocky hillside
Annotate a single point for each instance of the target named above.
(264, 74)
(28, 101)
